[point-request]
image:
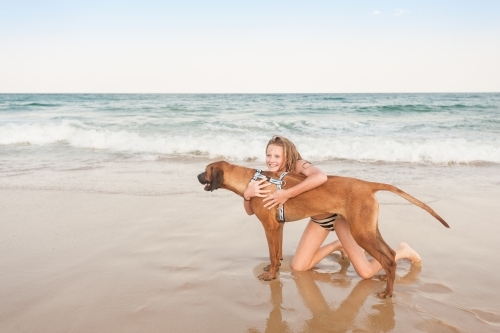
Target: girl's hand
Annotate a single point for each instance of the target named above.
(277, 198)
(255, 189)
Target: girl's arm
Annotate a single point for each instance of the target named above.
(254, 189)
(315, 177)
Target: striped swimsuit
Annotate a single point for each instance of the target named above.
(326, 223)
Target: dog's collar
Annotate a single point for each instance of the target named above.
(278, 182)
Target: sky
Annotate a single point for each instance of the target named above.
(255, 46)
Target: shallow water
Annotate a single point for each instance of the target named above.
(76, 131)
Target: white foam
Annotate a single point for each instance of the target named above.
(237, 145)
(433, 151)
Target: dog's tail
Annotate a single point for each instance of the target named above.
(415, 201)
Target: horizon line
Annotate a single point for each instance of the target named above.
(240, 93)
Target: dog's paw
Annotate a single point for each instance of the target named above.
(267, 276)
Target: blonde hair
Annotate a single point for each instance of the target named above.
(290, 153)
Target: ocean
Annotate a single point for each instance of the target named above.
(111, 142)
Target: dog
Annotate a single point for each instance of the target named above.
(352, 198)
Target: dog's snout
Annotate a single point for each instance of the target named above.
(202, 178)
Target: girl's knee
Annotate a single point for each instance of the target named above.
(298, 267)
(365, 273)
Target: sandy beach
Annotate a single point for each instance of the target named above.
(187, 261)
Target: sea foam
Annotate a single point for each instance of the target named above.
(235, 146)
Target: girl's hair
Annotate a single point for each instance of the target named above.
(291, 155)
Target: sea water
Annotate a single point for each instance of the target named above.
(114, 142)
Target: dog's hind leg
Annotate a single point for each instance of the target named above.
(374, 244)
(388, 262)
(364, 230)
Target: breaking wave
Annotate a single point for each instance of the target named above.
(236, 146)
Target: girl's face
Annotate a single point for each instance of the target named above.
(275, 160)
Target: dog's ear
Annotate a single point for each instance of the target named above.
(216, 178)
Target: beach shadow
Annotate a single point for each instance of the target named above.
(377, 316)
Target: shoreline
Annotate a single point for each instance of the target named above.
(152, 178)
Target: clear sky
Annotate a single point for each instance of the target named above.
(249, 46)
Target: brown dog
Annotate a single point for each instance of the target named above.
(351, 198)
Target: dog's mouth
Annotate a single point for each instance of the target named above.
(208, 186)
(202, 179)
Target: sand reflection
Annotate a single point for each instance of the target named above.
(351, 313)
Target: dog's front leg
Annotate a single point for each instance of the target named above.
(280, 240)
(272, 234)
(280, 246)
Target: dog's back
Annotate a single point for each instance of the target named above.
(331, 197)
(338, 195)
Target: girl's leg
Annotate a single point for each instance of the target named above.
(309, 251)
(364, 267)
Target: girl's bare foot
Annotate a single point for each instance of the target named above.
(409, 253)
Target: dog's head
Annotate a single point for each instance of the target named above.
(213, 176)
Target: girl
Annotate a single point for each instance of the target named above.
(281, 156)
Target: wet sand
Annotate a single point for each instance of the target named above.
(187, 261)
